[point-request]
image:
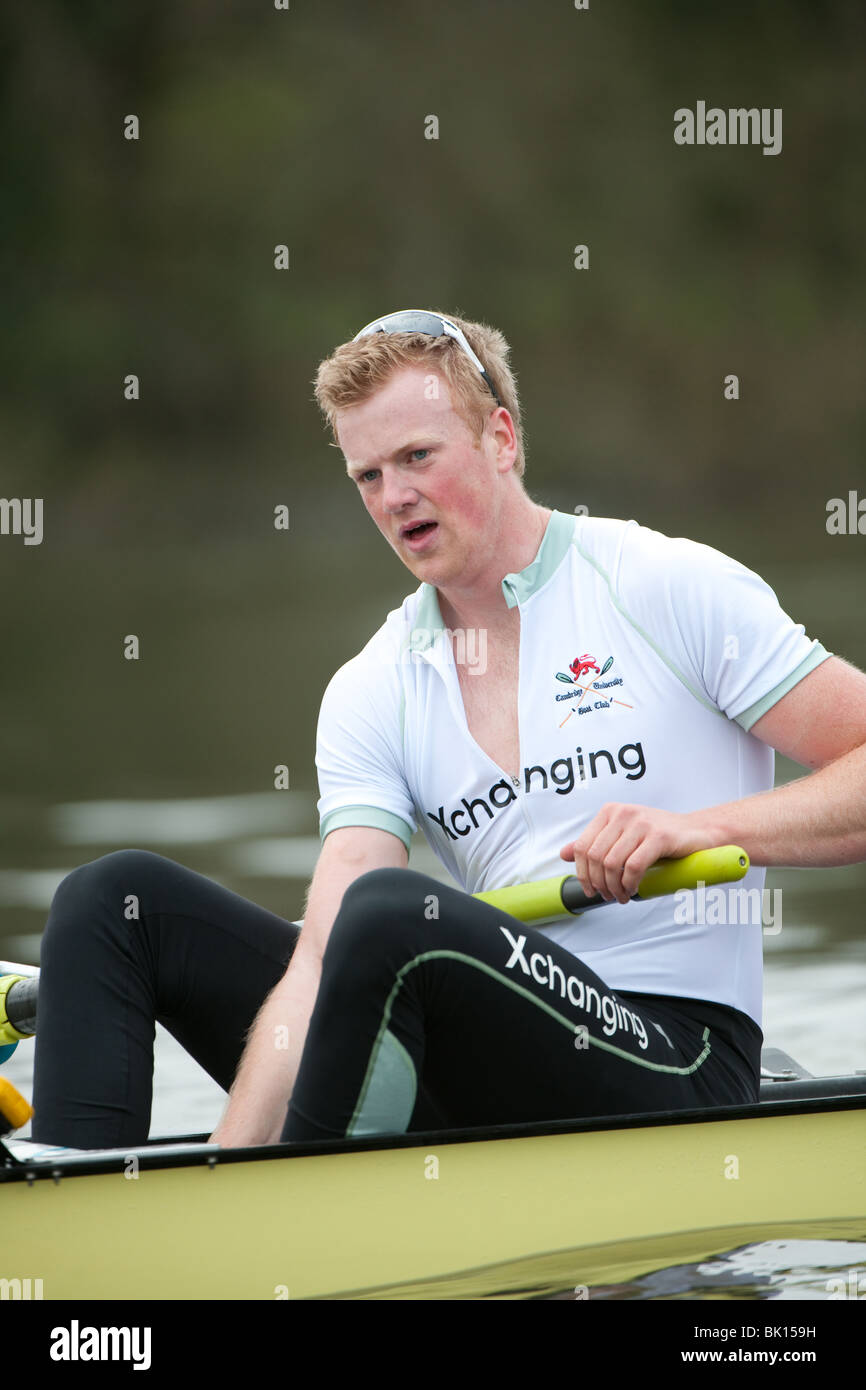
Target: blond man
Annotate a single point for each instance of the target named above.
(557, 689)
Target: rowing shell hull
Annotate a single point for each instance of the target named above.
(514, 1217)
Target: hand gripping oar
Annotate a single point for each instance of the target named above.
(551, 897)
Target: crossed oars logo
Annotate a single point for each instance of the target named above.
(572, 680)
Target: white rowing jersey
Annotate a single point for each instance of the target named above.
(644, 663)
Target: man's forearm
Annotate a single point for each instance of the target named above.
(266, 1076)
(817, 821)
(263, 1085)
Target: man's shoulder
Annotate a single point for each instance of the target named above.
(602, 542)
(628, 552)
(597, 534)
(600, 534)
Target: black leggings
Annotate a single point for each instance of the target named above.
(434, 1010)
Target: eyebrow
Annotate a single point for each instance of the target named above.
(424, 441)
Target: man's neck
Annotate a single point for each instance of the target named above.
(483, 604)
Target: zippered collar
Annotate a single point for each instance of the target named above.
(516, 588)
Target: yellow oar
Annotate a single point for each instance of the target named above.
(15, 1111)
(551, 897)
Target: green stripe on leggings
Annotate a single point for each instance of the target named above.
(390, 1086)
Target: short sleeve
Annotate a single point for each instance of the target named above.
(359, 751)
(717, 624)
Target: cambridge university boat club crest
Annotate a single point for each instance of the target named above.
(589, 690)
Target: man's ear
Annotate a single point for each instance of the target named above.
(501, 427)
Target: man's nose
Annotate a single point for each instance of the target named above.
(397, 491)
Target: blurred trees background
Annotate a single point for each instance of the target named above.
(306, 127)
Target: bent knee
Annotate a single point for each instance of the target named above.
(104, 885)
(382, 903)
(388, 893)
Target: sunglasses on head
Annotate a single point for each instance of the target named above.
(422, 321)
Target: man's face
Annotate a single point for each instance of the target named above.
(434, 496)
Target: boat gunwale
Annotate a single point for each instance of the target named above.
(13, 1169)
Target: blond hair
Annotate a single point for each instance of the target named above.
(355, 371)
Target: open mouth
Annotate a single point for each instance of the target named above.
(414, 533)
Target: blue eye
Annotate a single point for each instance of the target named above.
(419, 451)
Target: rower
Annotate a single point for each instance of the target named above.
(414, 979)
(403, 1003)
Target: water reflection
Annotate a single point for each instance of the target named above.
(770, 1269)
(181, 821)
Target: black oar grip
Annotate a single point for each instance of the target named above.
(21, 1004)
(575, 900)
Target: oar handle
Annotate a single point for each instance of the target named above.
(18, 995)
(551, 897)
